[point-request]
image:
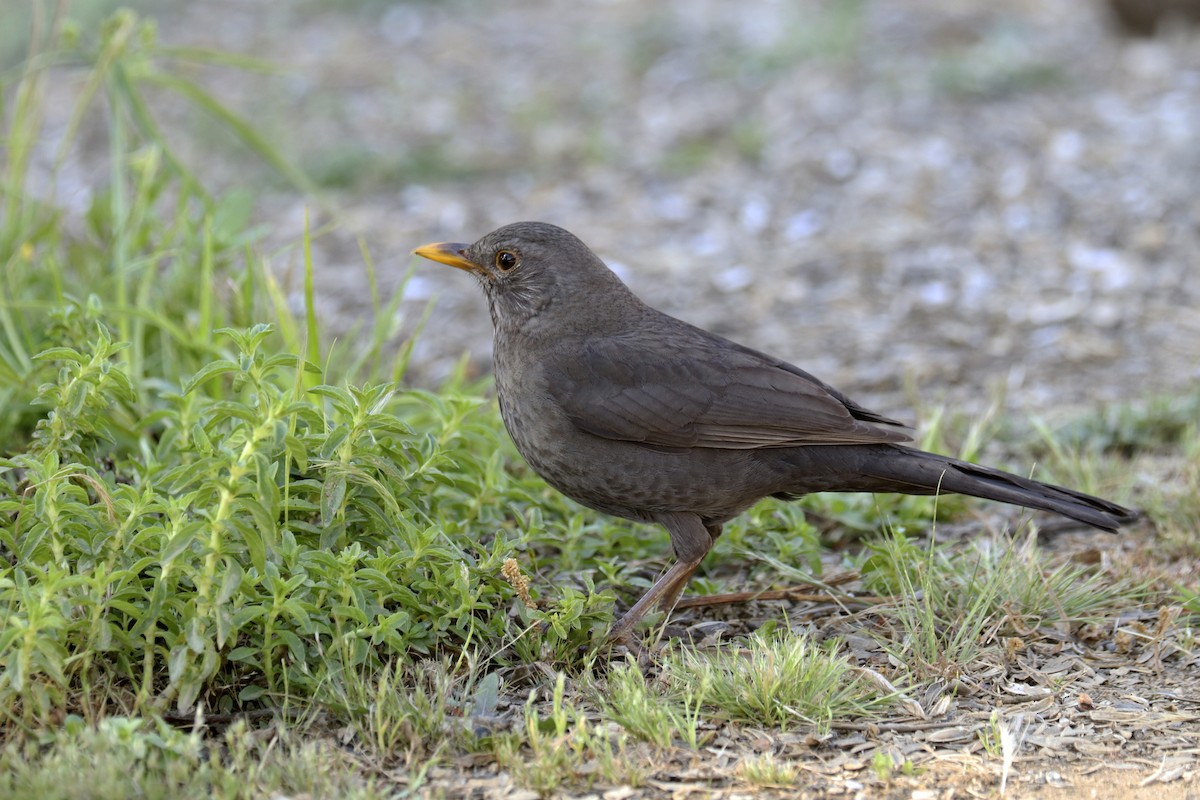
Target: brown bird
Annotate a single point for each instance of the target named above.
(640, 415)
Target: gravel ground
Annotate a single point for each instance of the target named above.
(958, 197)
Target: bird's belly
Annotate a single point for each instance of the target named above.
(631, 480)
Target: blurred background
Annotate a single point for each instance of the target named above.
(960, 201)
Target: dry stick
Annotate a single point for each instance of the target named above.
(774, 594)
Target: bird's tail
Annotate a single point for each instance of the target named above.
(895, 468)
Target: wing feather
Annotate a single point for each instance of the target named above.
(695, 389)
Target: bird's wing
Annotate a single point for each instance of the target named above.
(698, 390)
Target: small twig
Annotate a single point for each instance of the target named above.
(189, 720)
(893, 727)
(773, 594)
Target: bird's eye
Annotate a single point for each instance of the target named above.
(506, 260)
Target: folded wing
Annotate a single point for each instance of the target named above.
(698, 390)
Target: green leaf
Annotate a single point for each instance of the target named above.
(231, 582)
(195, 634)
(209, 371)
(333, 496)
(77, 396)
(61, 354)
(333, 441)
(179, 542)
(347, 612)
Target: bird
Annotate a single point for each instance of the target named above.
(640, 415)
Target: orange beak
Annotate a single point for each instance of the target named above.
(448, 253)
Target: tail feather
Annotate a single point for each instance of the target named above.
(916, 472)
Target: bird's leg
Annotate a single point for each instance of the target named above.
(691, 541)
(678, 574)
(671, 594)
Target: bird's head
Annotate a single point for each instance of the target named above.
(528, 267)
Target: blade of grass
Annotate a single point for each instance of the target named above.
(135, 104)
(219, 58)
(118, 32)
(204, 326)
(243, 130)
(118, 169)
(312, 338)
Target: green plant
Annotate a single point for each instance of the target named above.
(943, 612)
(235, 542)
(563, 748)
(658, 717)
(886, 766)
(767, 772)
(119, 757)
(782, 681)
(953, 604)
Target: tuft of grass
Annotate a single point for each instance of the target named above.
(886, 766)
(121, 757)
(1156, 442)
(1036, 594)
(663, 719)
(413, 713)
(777, 681)
(564, 749)
(767, 772)
(942, 613)
(950, 606)
(1125, 429)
